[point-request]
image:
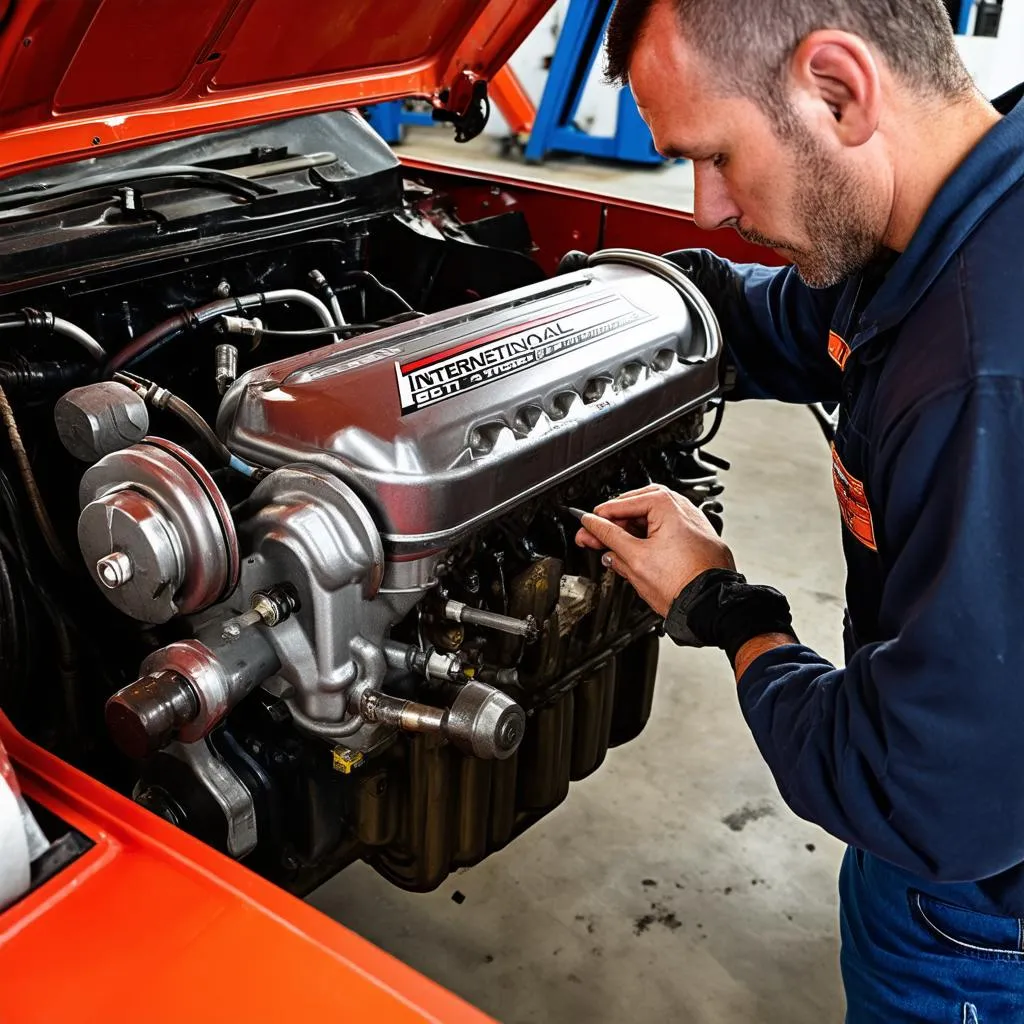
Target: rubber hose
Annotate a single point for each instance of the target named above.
(28, 477)
(155, 338)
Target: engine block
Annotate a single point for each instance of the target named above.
(395, 650)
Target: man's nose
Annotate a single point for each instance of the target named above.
(713, 207)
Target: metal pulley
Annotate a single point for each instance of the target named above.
(156, 532)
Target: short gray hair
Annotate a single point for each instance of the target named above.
(751, 41)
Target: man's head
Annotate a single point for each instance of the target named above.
(790, 111)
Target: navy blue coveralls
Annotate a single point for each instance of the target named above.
(914, 752)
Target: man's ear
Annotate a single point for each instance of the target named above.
(836, 78)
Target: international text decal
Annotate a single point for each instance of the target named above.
(425, 381)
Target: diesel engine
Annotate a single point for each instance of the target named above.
(343, 615)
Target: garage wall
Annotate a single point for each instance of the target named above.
(996, 64)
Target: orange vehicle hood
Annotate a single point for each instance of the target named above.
(81, 77)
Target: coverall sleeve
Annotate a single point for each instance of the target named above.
(775, 327)
(913, 752)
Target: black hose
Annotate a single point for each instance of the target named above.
(365, 275)
(330, 296)
(319, 332)
(716, 425)
(67, 656)
(35, 497)
(180, 408)
(161, 398)
(26, 376)
(155, 338)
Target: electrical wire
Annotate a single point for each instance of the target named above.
(67, 655)
(10, 625)
(366, 275)
(716, 425)
(319, 332)
(35, 498)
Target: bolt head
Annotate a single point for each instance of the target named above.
(115, 570)
(510, 733)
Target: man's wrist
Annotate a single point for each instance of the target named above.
(720, 609)
(753, 649)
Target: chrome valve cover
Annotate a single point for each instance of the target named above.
(446, 422)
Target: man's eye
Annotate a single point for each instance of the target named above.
(718, 160)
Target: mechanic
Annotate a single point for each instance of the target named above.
(847, 135)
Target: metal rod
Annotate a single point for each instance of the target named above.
(291, 163)
(456, 611)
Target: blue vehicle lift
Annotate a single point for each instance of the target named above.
(555, 129)
(389, 119)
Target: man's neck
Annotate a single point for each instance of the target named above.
(929, 152)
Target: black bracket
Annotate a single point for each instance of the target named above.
(470, 124)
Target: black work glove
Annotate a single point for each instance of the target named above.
(721, 287)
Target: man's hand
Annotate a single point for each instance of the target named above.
(679, 544)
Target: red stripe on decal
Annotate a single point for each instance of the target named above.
(504, 333)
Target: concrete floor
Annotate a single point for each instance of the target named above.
(674, 884)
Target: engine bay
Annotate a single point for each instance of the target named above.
(285, 552)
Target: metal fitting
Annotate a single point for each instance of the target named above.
(97, 419)
(144, 717)
(115, 570)
(225, 367)
(185, 689)
(246, 326)
(429, 664)
(482, 721)
(267, 607)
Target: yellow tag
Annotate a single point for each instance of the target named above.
(345, 760)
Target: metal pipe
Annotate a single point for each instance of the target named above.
(170, 329)
(75, 333)
(35, 319)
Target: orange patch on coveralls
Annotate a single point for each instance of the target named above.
(838, 349)
(853, 503)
